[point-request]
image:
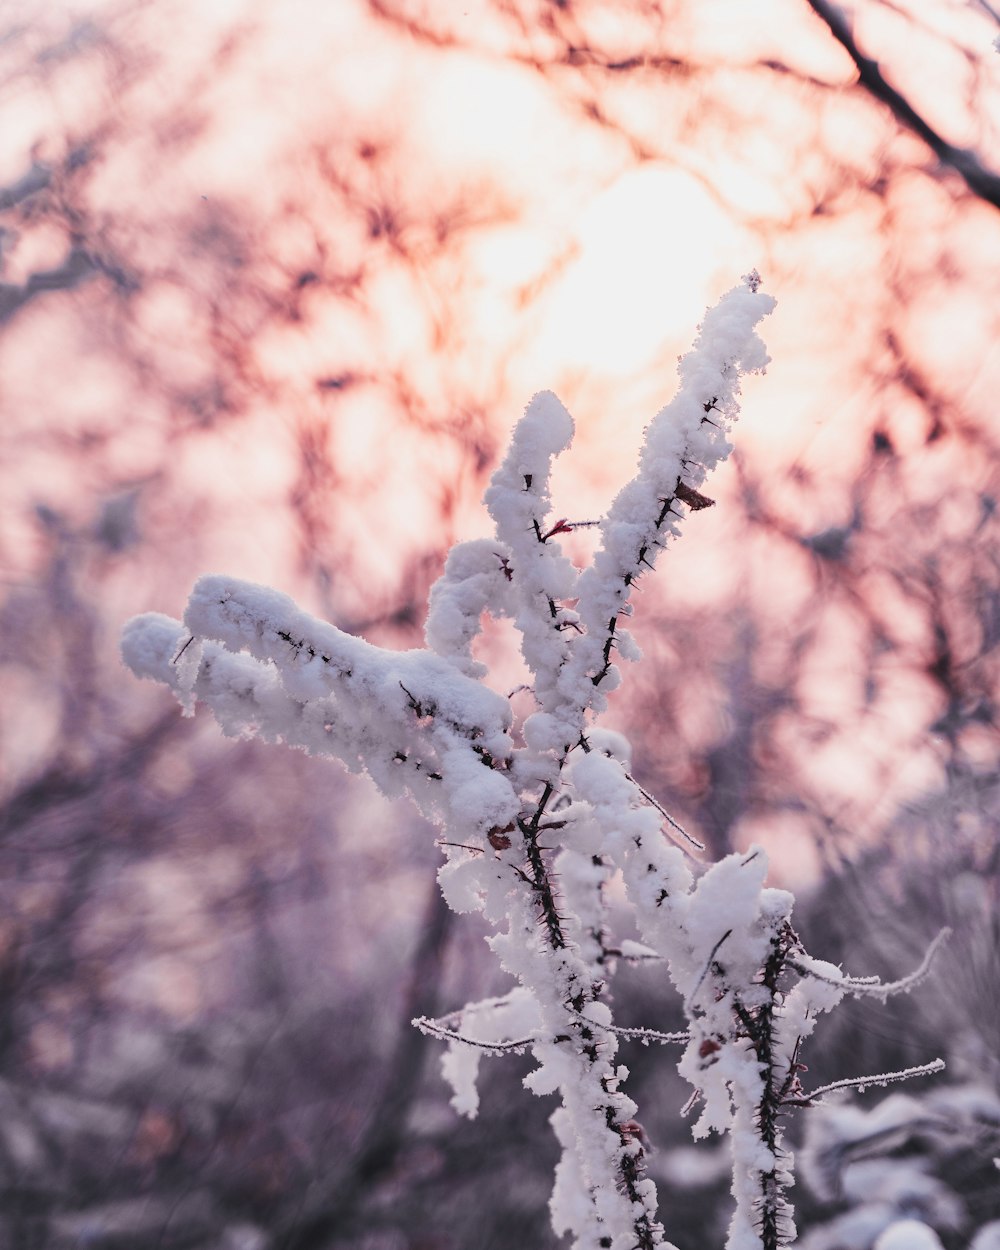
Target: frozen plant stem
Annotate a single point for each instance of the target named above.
(536, 818)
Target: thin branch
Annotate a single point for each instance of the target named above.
(861, 1083)
(689, 1002)
(871, 985)
(434, 1029)
(981, 181)
(75, 268)
(637, 1034)
(665, 814)
(36, 179)
(182, 650)
(649, 1035)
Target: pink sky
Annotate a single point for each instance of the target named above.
(238, 146)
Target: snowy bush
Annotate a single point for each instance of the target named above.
(539, 813)
(907, 1169)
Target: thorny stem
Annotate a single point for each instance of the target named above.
(559, 528)
(630, 1165)
(686, 494)
(762, 1038)
(539, 879)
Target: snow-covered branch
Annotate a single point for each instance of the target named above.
(536, 818)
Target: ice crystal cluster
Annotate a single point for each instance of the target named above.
(538, 815)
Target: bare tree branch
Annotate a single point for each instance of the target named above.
(74, 269)
(981, 181)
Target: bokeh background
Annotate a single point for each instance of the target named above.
(276, 279)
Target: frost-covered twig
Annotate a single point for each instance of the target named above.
(434, 1028)
(872, 986)
(675, 825)
(650, 1035)
(861, 1083)
(440, 1029)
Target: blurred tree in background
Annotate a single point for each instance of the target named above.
(275, 282)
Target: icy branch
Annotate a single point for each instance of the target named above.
(678, 828)
(872, 986)
(434, 1028)
(650, 1035)
(861, 1083)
